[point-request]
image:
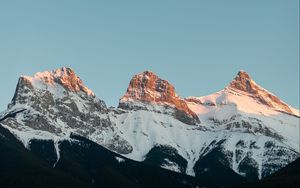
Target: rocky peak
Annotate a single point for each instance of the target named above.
(57, 102)
(64, 76)
(51, 85)
(148, 88)
(67, 78)
(243, 82)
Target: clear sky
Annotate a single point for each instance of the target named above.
(197, 45)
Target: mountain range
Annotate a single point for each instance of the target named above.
(59, 127)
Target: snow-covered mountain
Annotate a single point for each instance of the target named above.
(255, 131)
(147, 88)
(54, 104)
(242, 127)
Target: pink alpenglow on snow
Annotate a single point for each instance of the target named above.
(64, 76)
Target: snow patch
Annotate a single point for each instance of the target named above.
(169, 165)
(119, 159)
(56, 146)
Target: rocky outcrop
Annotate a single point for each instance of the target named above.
(243, 82)
(148, 88)
(231, 139)
(59, 103)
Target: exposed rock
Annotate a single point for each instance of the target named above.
(243, 82)
(148, 88)
(227, 141)
(58, 102)
(278, 157)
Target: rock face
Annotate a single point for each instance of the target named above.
(243, 82)
(57, 102)
(256, 121)
(148, 88)
(240, 130)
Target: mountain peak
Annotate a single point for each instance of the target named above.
(63, 76)
(243, 82)
(243, 74)
(147, 87)
(148, 72)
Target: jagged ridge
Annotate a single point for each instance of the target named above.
(244, 82)
(54, 104)
(148, 88)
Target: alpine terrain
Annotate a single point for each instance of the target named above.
(57, 126)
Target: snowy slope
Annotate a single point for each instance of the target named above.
(245, 117)
(144, 130)
(53, 105)
(249, 127)
(228, 104)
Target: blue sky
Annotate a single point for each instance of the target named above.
(199, 46)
